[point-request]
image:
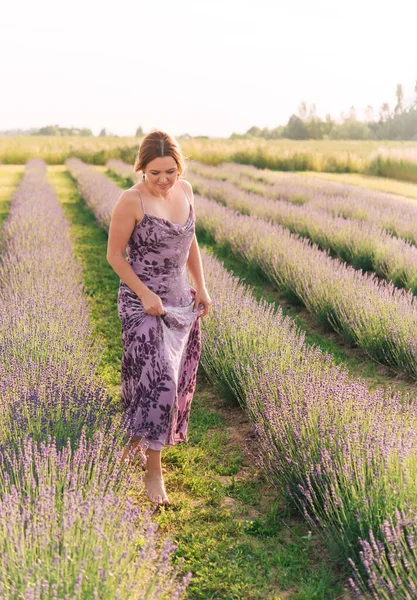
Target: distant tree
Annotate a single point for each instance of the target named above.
(352, 114)
(384, 112)
(312, 115)
(255, 131)
(276, 133)
(400, 97)
(139, 132)
(302, 110)
(328, 125)
(49, 130)
(415, 91)
(295, 129)
(103, 133)
(369, 114)
(316, 128)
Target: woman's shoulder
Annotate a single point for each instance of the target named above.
(129, 196)
(189, 188)
(130, 192)
(128, 202)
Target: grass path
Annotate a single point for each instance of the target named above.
(235, 533)
(9, 178)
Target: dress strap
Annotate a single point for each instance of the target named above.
(136, 190)
(185, 191)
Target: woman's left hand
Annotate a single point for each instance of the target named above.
(202, 297)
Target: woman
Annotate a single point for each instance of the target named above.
(158, 308)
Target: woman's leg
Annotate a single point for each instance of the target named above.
(154, 481)
(134, 451)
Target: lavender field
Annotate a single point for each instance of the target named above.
(66, 511)
(339, 450)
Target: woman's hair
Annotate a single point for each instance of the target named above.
(155, 145)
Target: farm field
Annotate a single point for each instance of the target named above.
(299, 478)
(211, 209)
(329, 288)
(396, 160)
(227, 517)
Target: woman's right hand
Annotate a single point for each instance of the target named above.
(152, 304)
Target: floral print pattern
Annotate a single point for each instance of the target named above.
(160, 353)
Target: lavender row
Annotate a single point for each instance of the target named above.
(372, 314)
(123, 170)
(68, 526)
(360, 243)
(395, 214)
(98, 191)
(48, 356)
(369, 313)
(344, 455)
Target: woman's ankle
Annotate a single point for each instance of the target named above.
(154, 473)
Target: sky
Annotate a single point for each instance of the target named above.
(200, 67)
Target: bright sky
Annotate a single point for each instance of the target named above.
(203, 68)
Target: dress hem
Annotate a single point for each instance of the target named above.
(155, 445)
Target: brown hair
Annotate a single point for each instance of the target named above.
(155, 145)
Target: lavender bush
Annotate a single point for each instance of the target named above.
(369, 313)
(69, 526)
(360, 243)
(48, 355)
(389, 568)
(344, 455)
(123, 170)
(98, 191)
(240, 328)
(396, 214)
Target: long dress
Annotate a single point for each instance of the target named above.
(160, 353)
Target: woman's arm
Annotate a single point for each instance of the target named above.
(122, 223)
(195, 265)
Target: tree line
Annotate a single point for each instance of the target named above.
(399, 123)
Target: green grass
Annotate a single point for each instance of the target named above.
(234, 532)
(101, 282)
(9, 178)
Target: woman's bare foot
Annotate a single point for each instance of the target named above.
(155, 487)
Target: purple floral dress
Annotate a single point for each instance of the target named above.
(160, 353)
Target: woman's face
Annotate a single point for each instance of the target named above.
(161, 174)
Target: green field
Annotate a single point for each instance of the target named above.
(336, 156)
